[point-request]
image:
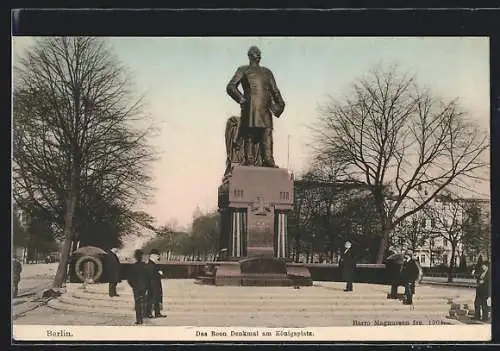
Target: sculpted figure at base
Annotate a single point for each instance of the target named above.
(235, 145)
(260, 100)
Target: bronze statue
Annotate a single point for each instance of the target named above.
(261, 99)
(235, 145)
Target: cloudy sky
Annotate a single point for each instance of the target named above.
(184, 81)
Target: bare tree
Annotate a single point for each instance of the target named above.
(412, 233)
(448, 216)
(79, 134)
(402, 141)
(477, 228)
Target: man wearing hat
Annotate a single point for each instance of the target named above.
(483, 289)
(155, 291)
(410, 272)
(347, 265)
(138, 280)
(113, 271)
(394, 270)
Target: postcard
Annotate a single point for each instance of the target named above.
(251, 189)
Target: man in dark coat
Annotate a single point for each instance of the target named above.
(482, 293)
(113, 269)
(394, 269)
(347, 265)
(476, 271)
(261, 99)
(17, 268)
(155, 290)
(138, 279)
(409, 274)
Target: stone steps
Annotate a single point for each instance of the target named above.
(395, 313)
(303, 304)
(187, 303)
(270, 320)
(290, 295)
(257, 306)
(190, 301)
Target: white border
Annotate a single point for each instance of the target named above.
(205, 334)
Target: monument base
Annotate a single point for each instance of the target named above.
(257, 271)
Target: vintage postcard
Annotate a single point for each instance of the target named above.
(251, 189)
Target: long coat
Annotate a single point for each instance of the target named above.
(261, 94)
(155, 290)
(113, 268)
(347, 265)
(483, 287)
(138, 277)
(410, 271)
(17, 269)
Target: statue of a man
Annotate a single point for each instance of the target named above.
(261, 99)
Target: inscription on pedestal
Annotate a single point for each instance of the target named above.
(259, 191)
(260, 234)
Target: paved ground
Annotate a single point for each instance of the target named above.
(34, 279)
(190, 304)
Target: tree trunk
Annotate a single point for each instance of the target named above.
(384, 227)
(68, 239)
(451, 268)
(383, 243)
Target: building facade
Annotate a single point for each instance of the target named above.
(430, 232)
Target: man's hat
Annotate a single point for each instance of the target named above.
(154, 252)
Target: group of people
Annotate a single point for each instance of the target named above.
(405, 273)
(408, 272)
(145, 280)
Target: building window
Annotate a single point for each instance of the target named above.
(445, 243)
(422, 259)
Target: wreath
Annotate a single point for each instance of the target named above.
(79, 271)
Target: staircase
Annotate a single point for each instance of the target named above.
(324, 304)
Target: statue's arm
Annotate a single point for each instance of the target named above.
(232, 86)
(276, 94)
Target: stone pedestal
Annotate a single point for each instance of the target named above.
(254, 204)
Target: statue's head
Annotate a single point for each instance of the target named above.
(254, 54)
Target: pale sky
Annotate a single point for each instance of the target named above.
(184, 81)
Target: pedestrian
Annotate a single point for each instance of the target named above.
(138, 279)
(410, 273)
(394, 269)
(113, 269)
(155, 290)
(17, 268)
(476, 271)
(347, 265)
(482, 293)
